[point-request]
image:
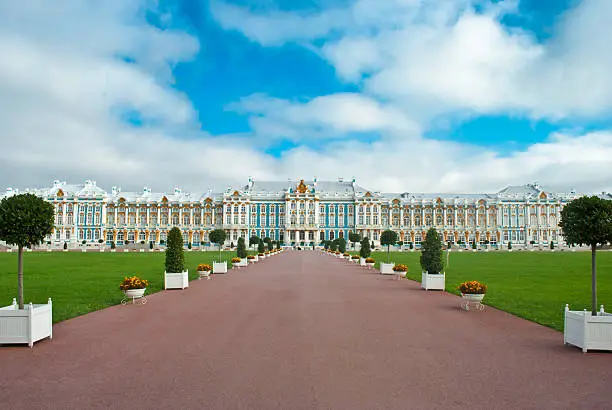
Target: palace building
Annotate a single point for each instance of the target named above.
(303, 213)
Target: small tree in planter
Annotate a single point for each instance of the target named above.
(365, 250)
(66, 245)
(509, 246)
(354, 237)
(218, 236)
(268, 243)
(150, 245)
(342, 245)
(588, 221)
(241, 249)
(25, 220)
(175, 277)
(552, 245)
(254, 241)
(388, 238)
(260, 247)
(432, 262)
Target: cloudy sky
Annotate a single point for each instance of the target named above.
(404, 95)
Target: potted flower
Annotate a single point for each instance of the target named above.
(133, 287)
(236, 262)
(472, 291)
(204, 270)
(355, 258)
(346, 255)
(400, 270)
(252, 258)
(175, 276)
(432, 275)
(370, 262)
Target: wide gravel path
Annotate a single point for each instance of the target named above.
(302, 330)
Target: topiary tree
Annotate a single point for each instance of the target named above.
(588, 221)
(241, 248)
(388, 238)
(260, 247)
(509, 245)
(365, 250)
(431, 254)
(254, 240)
(151, 245)
(342, 245)
(333, 245)
(354, 237)
(175, 259)
(66, 245)
(268, 242)
(552, 245)
(25, 220)
(217, 236)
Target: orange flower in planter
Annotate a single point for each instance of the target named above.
(400, 268)
(133, 282)
(236, 260)
(203, 267)
(472, 288)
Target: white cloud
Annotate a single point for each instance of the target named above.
(60, 82)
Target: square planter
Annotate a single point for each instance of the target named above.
(28, 325)
(219, 267)
(433, 281)
(387, 268)
(178, 280)
(242, 264)
(588, 332)
(362, 262)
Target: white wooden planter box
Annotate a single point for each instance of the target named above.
(362, 262)
(387, 268)
(588, 332)
(433, 281)
(176, 280)
(219, 267)
(27, 325)
(252, 260)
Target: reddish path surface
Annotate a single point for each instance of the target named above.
(303, 330)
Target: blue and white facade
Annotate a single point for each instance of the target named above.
(304, 212)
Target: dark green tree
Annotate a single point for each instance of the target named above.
(175, 258)
(354, 237)
(25, 220)
(326, 244)
(254, 240)
(268, 243)
(588, 221)
(388, 238)
(217, 236)
(509, 245)
(431, 253)
(241, 248)
(333, 245)
(66, 245)
(342, 245)
(260, 247)
(365, 250)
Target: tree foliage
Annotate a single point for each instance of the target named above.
(175, 258)
(354, 237)
(254, 240)
(25, 220)
(342, 245)
(260, 247)
(217, 236)
(365, 250)
(431, 254)
(588, 221)
(241, 248)
(333, 245)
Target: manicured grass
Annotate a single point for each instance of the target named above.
(533, 285)
(80, 283)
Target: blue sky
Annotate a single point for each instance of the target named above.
(277, 89)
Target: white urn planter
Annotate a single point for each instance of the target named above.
(203, 274)
(242, 264)
(134, 293)
(586, 331)
(220, 267)
(370, 265)
(362, 262)
(433, 281)
(178, 280)
(387, 268)
(27, 325)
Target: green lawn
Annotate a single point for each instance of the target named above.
(80, 283)
(533, 285)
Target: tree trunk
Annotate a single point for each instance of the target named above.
(20, 276)
(593, 282)
(388, 253)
